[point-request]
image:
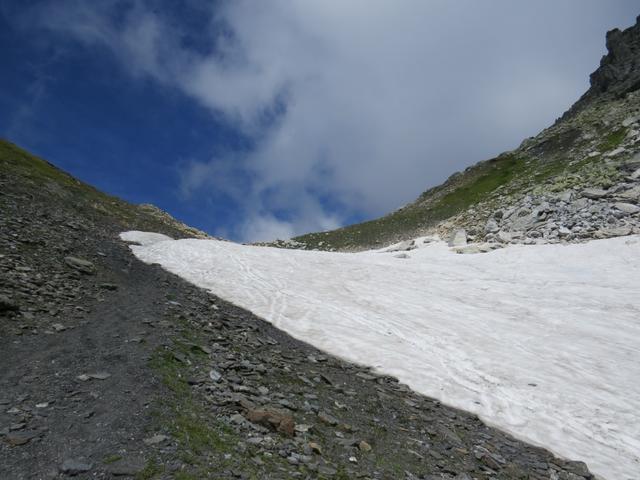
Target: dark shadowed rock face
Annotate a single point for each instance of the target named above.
(619, 70)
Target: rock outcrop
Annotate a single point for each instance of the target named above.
(619, 71)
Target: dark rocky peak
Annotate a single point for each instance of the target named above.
(619, 70)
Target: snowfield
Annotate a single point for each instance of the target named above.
(541, 341)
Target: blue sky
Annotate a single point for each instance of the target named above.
(255, 120)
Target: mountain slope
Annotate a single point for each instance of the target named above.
(112, 368)
(531, 194)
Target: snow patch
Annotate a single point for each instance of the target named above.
(542, 341)
(144, 238)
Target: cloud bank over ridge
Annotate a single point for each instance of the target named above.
(350, 109)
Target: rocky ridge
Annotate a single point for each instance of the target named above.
(577, 180)
(598, 199)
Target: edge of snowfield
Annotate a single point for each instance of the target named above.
(542, 341)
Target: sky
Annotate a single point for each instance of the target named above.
(258, 120)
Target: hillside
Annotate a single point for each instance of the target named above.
(176, 367)
(113, 368)
(576, 180)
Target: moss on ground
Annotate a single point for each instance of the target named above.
(36, 173)
(109, 459)
(206, 444)
(612, 140)
(459, 193)
(150, 471)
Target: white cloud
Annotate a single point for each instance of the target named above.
(379, 99)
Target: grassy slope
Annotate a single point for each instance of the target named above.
(537, 163)
(35, 176)
(458, 193)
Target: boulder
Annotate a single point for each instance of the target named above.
(8, 305)
(627, 208)
(84, 266)
(272, 418)
(594, 193)
(491, 226)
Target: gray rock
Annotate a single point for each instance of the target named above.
(402, 246)
(627, 208)
(613, 232)
(631, 194)
(491, 226)
(74, 467)
(469, 249)
(215, 375)
(594, 193)
(327, 418)
(523, 220)
(84, 266)
(20, 437)
(504, 237)
(127, 467)
(155, 439)
(8, 305)
(616, 152)
(566, 196)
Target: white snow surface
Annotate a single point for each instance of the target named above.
(541, 341)
(144, 238)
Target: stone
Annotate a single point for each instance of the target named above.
(504, 237)
(459, 239)
(215, 375)
(632, 194)
(155, 439)
(491, 226)
(627, 208)
(315, 448)
(524, 220)
(84, 266)
(7, 304)
(469, 249)
(272, 418)
(127, 467)
(402, 246)
(75, 467)
(328, 419)
(594, 193)
(302, 428)
(613, 232)
(616, 152)
(578, 468)
(20, 437)
(364, 446)
(108, 286)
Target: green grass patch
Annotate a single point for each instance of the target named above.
(612, 140)
(456, 195)
(111, 459)
(151, 470)
(198, 434)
